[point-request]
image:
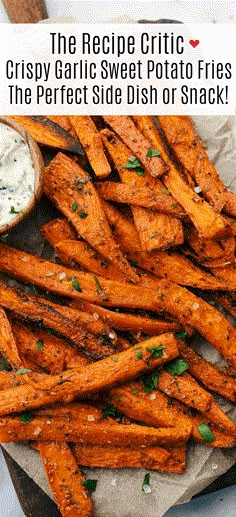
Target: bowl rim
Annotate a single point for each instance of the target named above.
(38, 165)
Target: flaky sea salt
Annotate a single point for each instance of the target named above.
(147, 489)
(197, 189)
(153, 396)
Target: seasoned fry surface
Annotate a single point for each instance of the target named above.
(99, 368)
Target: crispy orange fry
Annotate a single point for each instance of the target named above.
(140, 196)
(128, 321)
(207, 373)
(208, 223)
(216, 415)
(94, 433)
(83, 208)
(47, 132)
(93, 377)
(8, 346)
(181, 303)
(46, 350)
(75, 410)
(212, 253)
(91, 141)
(64, 122)
(79, 252)
(163, 264)
(151, 408)
(9, 380)
(138, 144)
(228, 302)
(186, 389)
(222, 439)
(39, 310)
(117, 457)
(155, 230)
(57, 230)
(182, 137)
(65, 480)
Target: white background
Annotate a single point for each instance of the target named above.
(221, 503)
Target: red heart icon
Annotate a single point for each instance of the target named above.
(194, 42)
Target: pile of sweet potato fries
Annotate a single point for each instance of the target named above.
(145, 221)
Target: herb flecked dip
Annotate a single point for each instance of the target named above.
(17, 178)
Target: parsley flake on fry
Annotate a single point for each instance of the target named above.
(181, 334)
(156, 351)
(99, 287)
(206, 433)
(76, 286)
(74, 206)
(134, 164)
(152, 153)
(90, 484)
(150, 383)
(39, 344)
(21, 371)
(83, 215)
(177, 367)
(26, 417)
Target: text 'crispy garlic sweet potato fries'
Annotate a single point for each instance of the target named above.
(105, 375)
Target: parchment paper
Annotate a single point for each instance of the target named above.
(118, 491)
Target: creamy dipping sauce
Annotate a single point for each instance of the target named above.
(17, 177)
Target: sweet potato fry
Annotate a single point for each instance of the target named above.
(83, 208)
(80, 382)
(222, 439)
(207, 373)
(182, 137)
(216, 415)
(39, 310)
(138, 144)
(170, 265)
(155, 230)
(186, 389)
(128, 321)
(212, 253)
(98, 433)
(150, 408)
(9, 380)
(146, 125)
(117, 457)
(153, 458)
(57, 230)
(64, 122)
(140, 196)
(8, 346)
(208, 223)
(73, 411)
(79, 252)
(47, 132)
(228, 302)
(163, 264)
(176, 300)
(123, 228)
(91, 141)
(65, 480)
(46, 350)
(226, 273)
